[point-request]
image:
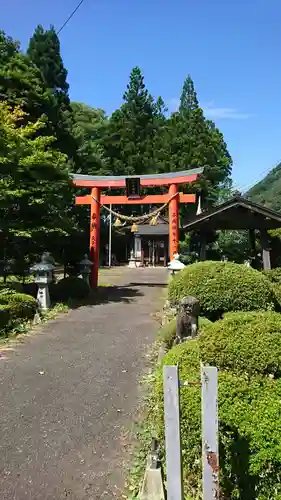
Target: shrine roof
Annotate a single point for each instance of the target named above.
(147, 230)
(238, 213)
(160, 229)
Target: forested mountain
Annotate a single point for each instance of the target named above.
(268, 190)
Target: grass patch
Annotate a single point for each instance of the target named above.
(142, 435)
(25, 326)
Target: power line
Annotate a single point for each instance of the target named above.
(70, 17)
(245, 188)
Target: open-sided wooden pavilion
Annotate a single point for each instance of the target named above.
(237, 213)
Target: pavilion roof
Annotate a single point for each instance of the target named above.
(236, 213)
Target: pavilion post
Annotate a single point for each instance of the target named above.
(173, 221)
(265, 249)
(253, 252)
(95, 236)
(202, 252)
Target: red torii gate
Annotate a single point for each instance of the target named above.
(96, 199)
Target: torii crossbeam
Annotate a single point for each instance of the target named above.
(97, 183)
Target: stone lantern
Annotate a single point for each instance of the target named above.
(43, 277)
(85, 268)
(175, 265)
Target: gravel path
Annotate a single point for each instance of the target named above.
(69, 390)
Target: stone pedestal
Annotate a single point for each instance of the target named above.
(132, 263)
(86, 278)
(43, 296)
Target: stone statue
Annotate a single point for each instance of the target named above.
(187, 319)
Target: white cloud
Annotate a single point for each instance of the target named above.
(213, 112)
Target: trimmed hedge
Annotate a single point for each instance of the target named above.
(69, 288)
(222, 287)
(4, 316)
(274, 275)
(244, 342)
(249, 428)
(21, 306)
(167, 332)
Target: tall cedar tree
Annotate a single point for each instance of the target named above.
(190, 141)
(132, 128)
(44, 52)
(201, 145)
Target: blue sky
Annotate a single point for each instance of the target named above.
(231, 48)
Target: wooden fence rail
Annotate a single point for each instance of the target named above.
(209, 410)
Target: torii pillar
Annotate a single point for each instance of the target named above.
(173, 220)
(95, 236)
(96, 199)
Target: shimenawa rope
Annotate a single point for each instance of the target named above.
(140, 218)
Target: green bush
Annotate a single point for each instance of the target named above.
(69, 288)
(22, 306)
(16, 286)
(244, 342)
(4, 316)
(222, 287)
(30, 289)
(249, 428)
(276, 288)
(167, 332)
(274, 275)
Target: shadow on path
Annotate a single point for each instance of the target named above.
(107, 294)
(144, 284)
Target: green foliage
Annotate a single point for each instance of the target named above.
(21, 306)
(35, 178)
(234, 245)
(4, 316)
(276, 288)
(244, 342)
(44, 52)
(167, 332)
(274, 275)
(222, 287)
(88, 129)
(250, 433)
(21, 83)
(189, 141)
(267, 191)
(69, 288)
(128, 142)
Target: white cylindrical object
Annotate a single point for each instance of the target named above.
(110, 237)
